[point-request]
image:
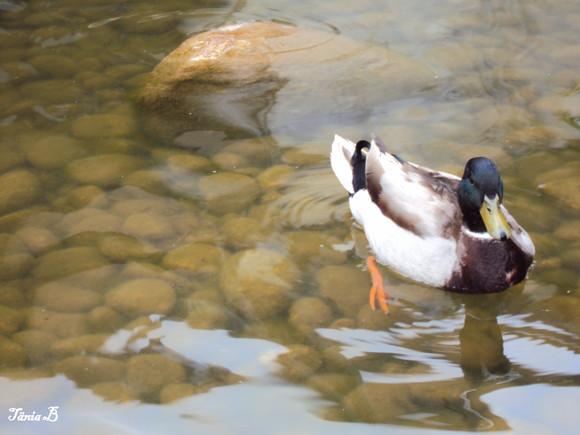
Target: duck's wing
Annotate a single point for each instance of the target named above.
(415, 198)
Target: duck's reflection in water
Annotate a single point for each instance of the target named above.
(481, 344)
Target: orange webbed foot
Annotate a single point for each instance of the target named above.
(377, 292)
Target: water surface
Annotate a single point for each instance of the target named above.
(167, 273)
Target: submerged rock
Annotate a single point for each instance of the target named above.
(307, 314)
(194, 257)
(15, 260)
(60, 324)
(259, 282)
(18, 188)
(148, 374)
(103, 125)
(65, 262)
(86, 370)
(142, 297)
(346, 286)
(63, 297)
(103, 170)
(36, 343)
(10, 320)
(300, 362)
(262, 76)
(53, 151)
(11, 354)
(566, 190)
(114, 391)
(89, 343)
(227, 192)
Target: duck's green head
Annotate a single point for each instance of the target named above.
(480, 194)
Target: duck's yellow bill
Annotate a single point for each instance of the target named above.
(493, 219)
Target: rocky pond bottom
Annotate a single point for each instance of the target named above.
(155, 276)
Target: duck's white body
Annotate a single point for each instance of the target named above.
(412, 221)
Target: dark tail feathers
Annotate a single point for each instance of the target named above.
(358, 162)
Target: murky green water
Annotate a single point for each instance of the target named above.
(199, 272)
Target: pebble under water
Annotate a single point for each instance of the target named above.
(166, 270)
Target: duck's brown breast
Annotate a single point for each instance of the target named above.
(488, 266)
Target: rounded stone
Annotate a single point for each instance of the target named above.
(172, 392)
(300, 157)
(37, 239)
(81, 345)
(195, 257)
(333, 386)
(54, 65)
(90, 220)
(18, 189)
(12, 295)
(148, 374)
(87, 370)
(142, 297)
(60, 324)
(152, 181)
(148, 225)
(11, 354)
(242, 232)
(569, 230)
(52, 152)
(205, 314)
(15, 260)
(309, 313)
(186, 162)
(69, 261)
(63, 297)
(114, 392)
(275, 177)
(315, 247)
(300, 362)
(52, 91)
(18, 71)
(9, 158)
(346, 286)
(122, 248)
(565, 190)
(229, 161)
(105, 319)
(104, 170)
(36, 343)
(10, 320)
(259, 282)
(227, 192)
(103, 125)
(85, 196)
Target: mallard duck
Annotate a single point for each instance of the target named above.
(432, 227)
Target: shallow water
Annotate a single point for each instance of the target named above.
(160, 274)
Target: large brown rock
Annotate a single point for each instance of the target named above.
(263, 76)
